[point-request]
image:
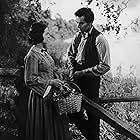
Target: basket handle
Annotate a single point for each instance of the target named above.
(75, 85)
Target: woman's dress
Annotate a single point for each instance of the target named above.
(43, 122)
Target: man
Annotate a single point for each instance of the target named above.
(89, 57)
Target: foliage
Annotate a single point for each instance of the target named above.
(112, 10)
(128, 112)
(17, 18)
(65, 90)
(75, 133)
(7, 62)
(119, 85)
(8, 123)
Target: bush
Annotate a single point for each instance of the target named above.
(128, 112)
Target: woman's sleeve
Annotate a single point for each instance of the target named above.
(32, 78)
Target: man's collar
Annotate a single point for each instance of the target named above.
(85, 34)
(89, 32)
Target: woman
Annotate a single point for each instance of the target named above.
(43, 122)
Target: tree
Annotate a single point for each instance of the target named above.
(112, 10)
(16, 17)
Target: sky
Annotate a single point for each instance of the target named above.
(66, 8)
(126, 51)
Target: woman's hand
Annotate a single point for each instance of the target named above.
(56, 82)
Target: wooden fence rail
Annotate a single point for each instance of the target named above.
(8, 72)
(105, 115)
(118, 99)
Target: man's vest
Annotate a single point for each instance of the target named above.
(91, 54)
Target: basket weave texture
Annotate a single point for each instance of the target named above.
(70, 104)
(69, 100)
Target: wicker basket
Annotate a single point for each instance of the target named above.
(71, 103)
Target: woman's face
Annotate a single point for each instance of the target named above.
(46, 35)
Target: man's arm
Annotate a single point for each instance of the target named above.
(103, 55)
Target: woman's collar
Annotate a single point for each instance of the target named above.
(37, 49)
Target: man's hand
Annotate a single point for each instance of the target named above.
(77, 74)
(87, 72)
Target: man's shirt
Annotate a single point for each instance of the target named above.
(103, 51)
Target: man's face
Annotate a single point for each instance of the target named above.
(82, 24)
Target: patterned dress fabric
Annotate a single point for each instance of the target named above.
(43, 123)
